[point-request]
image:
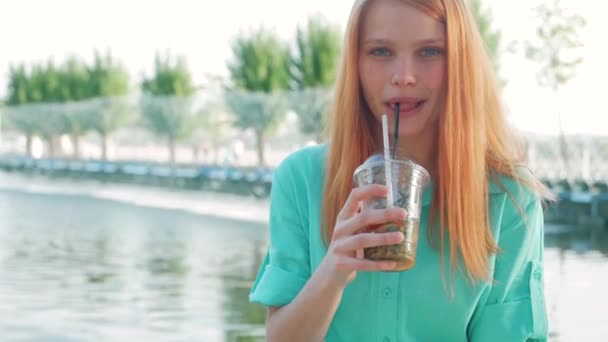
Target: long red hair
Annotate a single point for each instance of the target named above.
(474, 141)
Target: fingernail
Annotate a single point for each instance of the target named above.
(403, 213)
(401, 237)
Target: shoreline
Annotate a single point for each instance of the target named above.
(208, 204)
(211, 204)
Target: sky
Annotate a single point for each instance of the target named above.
(36, 30)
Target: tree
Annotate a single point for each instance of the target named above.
(167, 102)
(491, 37)
(60, 94)
(217, 122)
(41, 84)
(19, 118)
(313, 72)
(215, 128)
(554, 49)
(109, 82)
(259, 70)
(18, 94)
(52, 123)
(311, 106)
(171, 77)
(316, 55)
(74, 80)
(261, 112)
(77, 118)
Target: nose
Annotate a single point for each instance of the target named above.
(404, 74)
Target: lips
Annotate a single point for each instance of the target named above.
(406, 105)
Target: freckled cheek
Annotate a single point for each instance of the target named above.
(368, 74)
(373, 76)
(434, 76)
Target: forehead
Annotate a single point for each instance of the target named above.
(396, 20)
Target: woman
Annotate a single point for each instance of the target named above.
(481, 215)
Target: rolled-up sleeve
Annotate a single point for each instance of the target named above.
(515, 306)
(286, 266)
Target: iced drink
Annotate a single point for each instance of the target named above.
(408, 182)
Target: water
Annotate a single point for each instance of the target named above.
(76, 268)
(79, 269)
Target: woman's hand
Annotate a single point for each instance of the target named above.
(351, 236)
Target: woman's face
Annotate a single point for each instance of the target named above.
(402, 60)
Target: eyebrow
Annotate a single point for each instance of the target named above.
(431, 41)
(381, 41)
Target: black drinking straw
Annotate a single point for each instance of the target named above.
(396, 132)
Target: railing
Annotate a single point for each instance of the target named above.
(243, 180)
(580, 201)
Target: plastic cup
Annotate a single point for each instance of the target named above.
(408, 182)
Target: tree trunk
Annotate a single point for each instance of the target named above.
(57, 146)
(28, 144)
(52, 145)
(172, 151)
(104, 147)
(196, 153)
(260, 141)
(76, 142)
(172, 159)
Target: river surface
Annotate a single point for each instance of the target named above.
(90, 262)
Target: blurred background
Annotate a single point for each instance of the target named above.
(137, 146)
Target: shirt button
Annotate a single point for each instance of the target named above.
(387, 293)
(538, 274)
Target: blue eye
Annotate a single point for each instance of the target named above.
(381, 52)
(430, 52)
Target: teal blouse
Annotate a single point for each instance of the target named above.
(412, 305)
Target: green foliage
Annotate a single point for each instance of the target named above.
(171, 78)
(60, 88)
(261, 62)
(20, 120)
(316, 55)
(75, 81)
(491, 37)
(107, 77)
(260, 68)
(109, 81)
(313, 72)
(555, 51)
(557, 41)
(311, 106)
(18, 84)
(167, 108)
(258, 111)
(169, 116)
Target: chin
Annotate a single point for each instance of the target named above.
(412, 131)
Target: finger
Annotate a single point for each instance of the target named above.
(368, 218)
(360, 241)
(359, 254)
(357, 195)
